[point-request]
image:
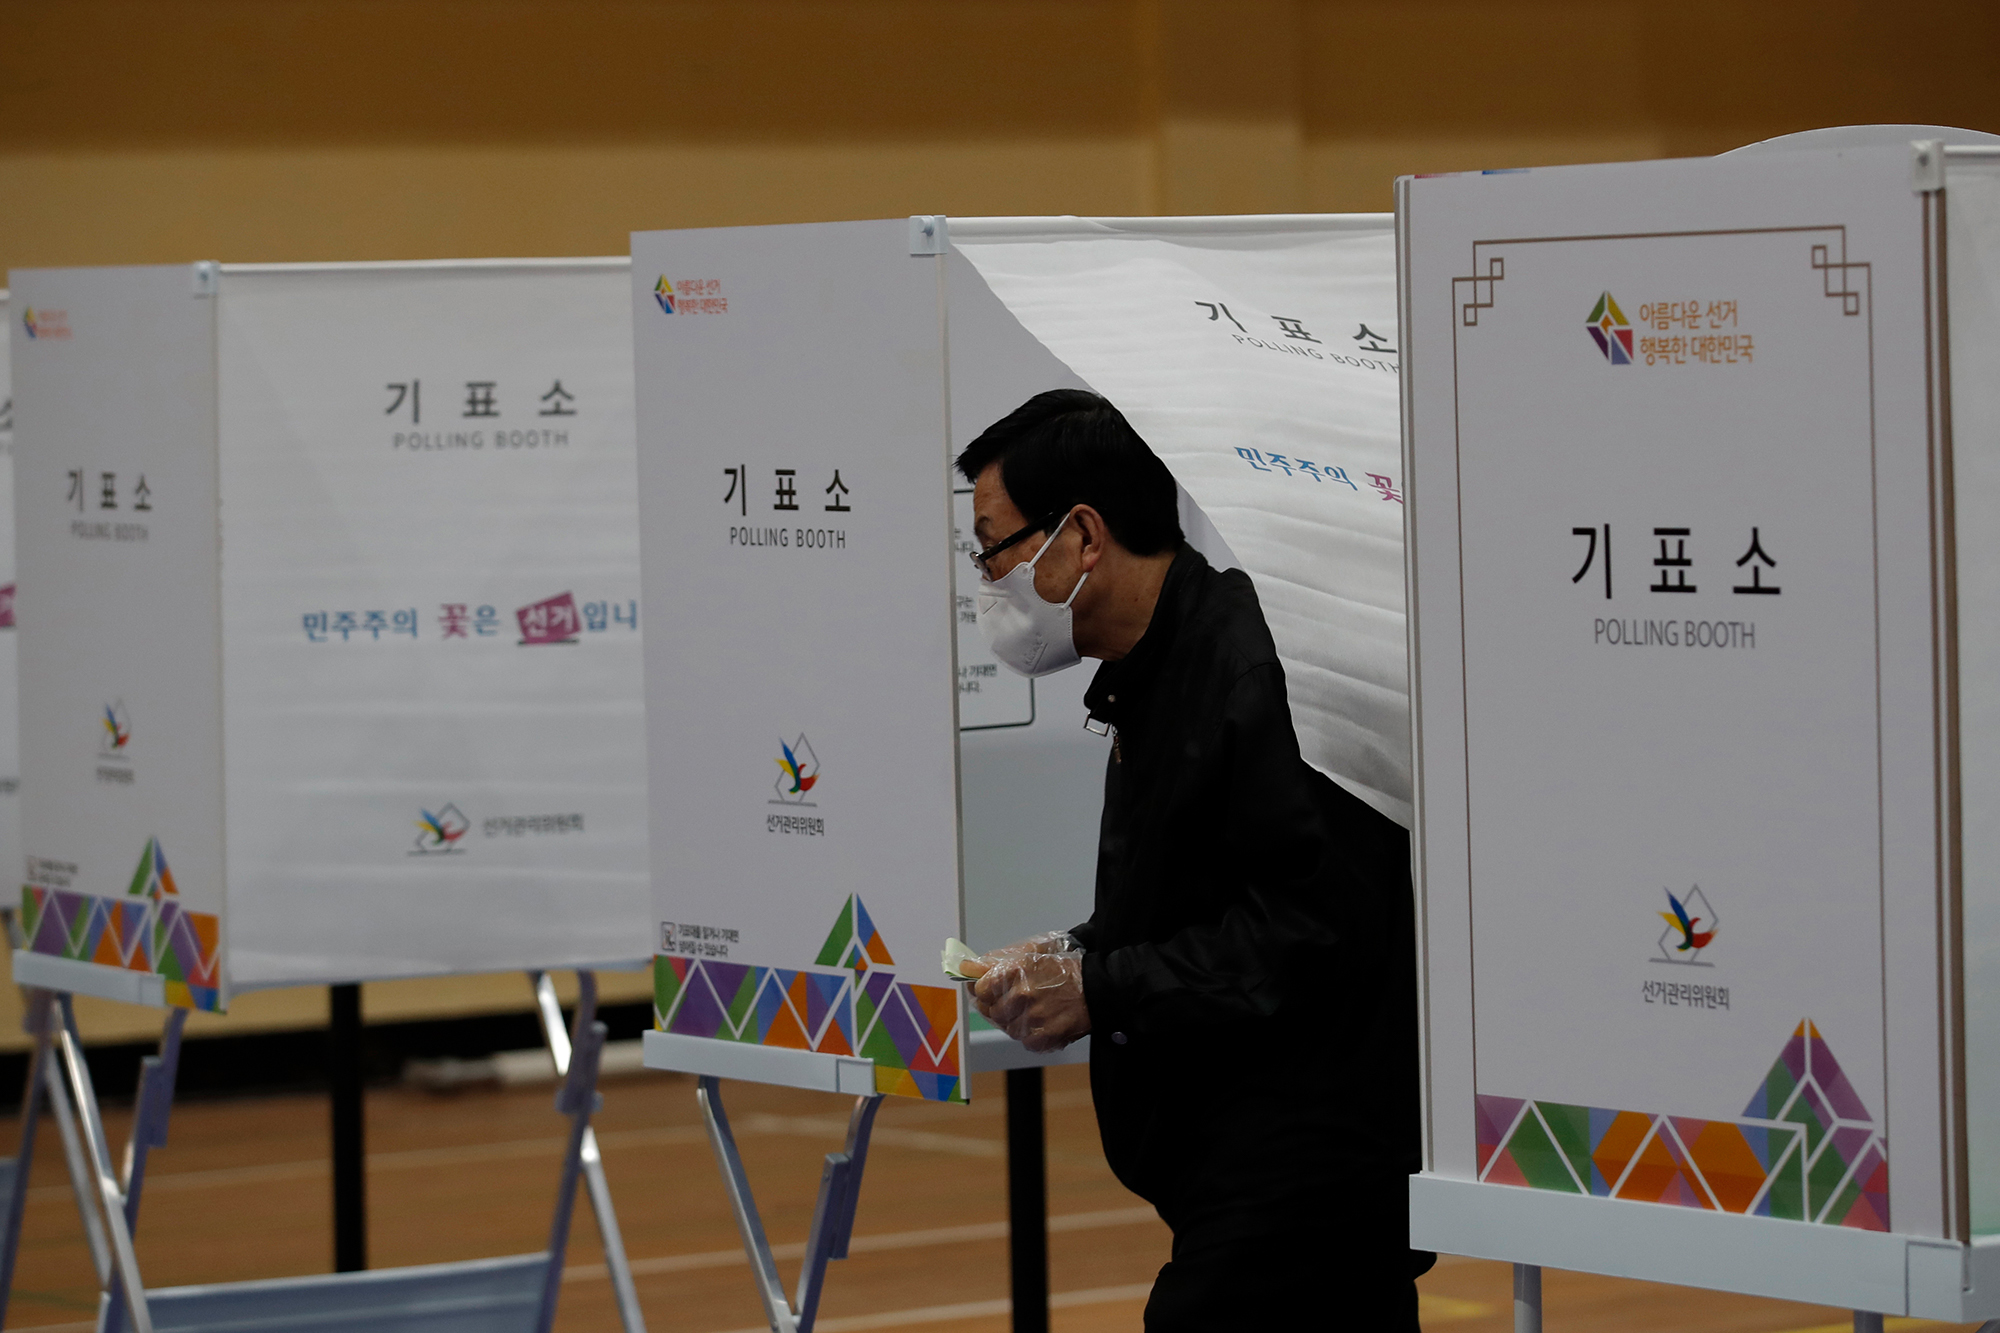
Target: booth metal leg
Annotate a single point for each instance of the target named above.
(622, 1285)
(155, 1109)
(1528, 1298)
(110, 1195)
(350, 1166)
(82, 1180)
(630, 1317)
(149, 1131)
(1027, 1201)
(1866, 1322)
(576, 1098)
(833, 1216)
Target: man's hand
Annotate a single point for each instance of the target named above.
(1035, 998)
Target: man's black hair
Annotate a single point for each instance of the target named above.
(1070, 447)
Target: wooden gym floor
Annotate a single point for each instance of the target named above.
(242, 1192)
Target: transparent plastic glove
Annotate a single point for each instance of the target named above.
(962, 964)
(1036, 998)
(1049, 941)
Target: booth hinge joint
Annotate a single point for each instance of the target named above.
(207, 277)
(929, 234)
(1926, 165)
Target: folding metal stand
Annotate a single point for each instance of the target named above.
(615, 1260)
(58, 1075)
(43, 1082)
(516, 1294)
(116, 1192)
(840, 1179)
(350, 1218)
(833, 1215)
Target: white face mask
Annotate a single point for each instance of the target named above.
(1029, 634)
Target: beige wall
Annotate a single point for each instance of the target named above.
(146, 130)
(154, 130)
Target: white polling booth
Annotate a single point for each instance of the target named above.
(342, 561)
(802, 391)
(333, 630)
(1704, 477)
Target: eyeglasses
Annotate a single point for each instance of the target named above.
(981, 558)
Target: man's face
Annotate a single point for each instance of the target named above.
(995, 518)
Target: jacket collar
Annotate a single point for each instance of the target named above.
(1119, 688)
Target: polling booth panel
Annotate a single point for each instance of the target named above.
(349, 608)
(116, 542)
(431, 620)
(1309, 399)
(796, 510)
(341, 563)
(1702, 474)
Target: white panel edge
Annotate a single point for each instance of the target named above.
(92, 979)
(811, 1070)
(1756, 1256)
(1020, 228)
(610, 262)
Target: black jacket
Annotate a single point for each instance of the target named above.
(1250, 962)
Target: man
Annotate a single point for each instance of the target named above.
(1248, 973)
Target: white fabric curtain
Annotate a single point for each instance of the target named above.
(1258, 357)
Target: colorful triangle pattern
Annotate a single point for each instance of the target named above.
(854, 943)
(1805, 1148)
(913, 1033)
(147, 930)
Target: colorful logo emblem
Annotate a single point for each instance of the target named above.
(798, 770)
(114, 731)
(1691, 925)
(438, 834)
(1610, 332)
(663, 292)
(45, 324)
